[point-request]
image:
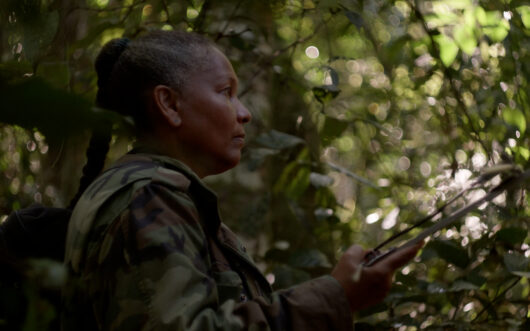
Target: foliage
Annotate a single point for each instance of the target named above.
(366, 116)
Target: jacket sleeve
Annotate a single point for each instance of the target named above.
(164, 281)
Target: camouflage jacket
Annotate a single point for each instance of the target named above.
(146, 250)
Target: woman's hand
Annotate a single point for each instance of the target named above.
(375, 281)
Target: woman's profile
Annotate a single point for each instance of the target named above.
(146, 247)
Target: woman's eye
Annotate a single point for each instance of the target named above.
(227, 91)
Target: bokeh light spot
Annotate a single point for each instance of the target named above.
(312, 52)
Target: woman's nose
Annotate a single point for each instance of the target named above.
(243, 115)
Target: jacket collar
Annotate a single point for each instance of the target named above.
(204, 198)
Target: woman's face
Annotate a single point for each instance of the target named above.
(211, 134)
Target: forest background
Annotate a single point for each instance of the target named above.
(367, 115)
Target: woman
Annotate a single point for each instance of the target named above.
(146, 247)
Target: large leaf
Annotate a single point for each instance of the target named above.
(512, 236)
(447, 250)
(493, 24)
(33, 103)
(514, 117)
(448, 49)
(465, 39)
(525, 15)
(516, 262)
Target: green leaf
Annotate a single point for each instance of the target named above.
(499, 32)
(523, 151)
(514, 117)
(325, 93)
(493, 24)
(278, 140)
(465, 39)
(449, 251)
(525, 15)
(298, 185)
(309, 258)
(512, 236)
(448, 49)
(516, 262)
(33, 103)
(332, 129)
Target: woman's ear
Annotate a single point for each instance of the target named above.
(166, 101)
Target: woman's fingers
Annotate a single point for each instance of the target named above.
(401, 256)
(355, 254)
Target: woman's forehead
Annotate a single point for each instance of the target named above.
(218, 67)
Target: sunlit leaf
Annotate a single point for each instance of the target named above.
(325, 93)
(498, 32)
(525, 15)
(465, 39)
(493, 25)
(448, 49)
(523, 151)
(515, 117)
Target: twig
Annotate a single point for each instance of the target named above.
(497, 297)
(352, 175)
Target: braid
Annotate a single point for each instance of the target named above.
(95, 154)
(98, 146)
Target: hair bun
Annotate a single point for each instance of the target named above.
(107, 58)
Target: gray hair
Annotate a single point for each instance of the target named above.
(127, 70)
